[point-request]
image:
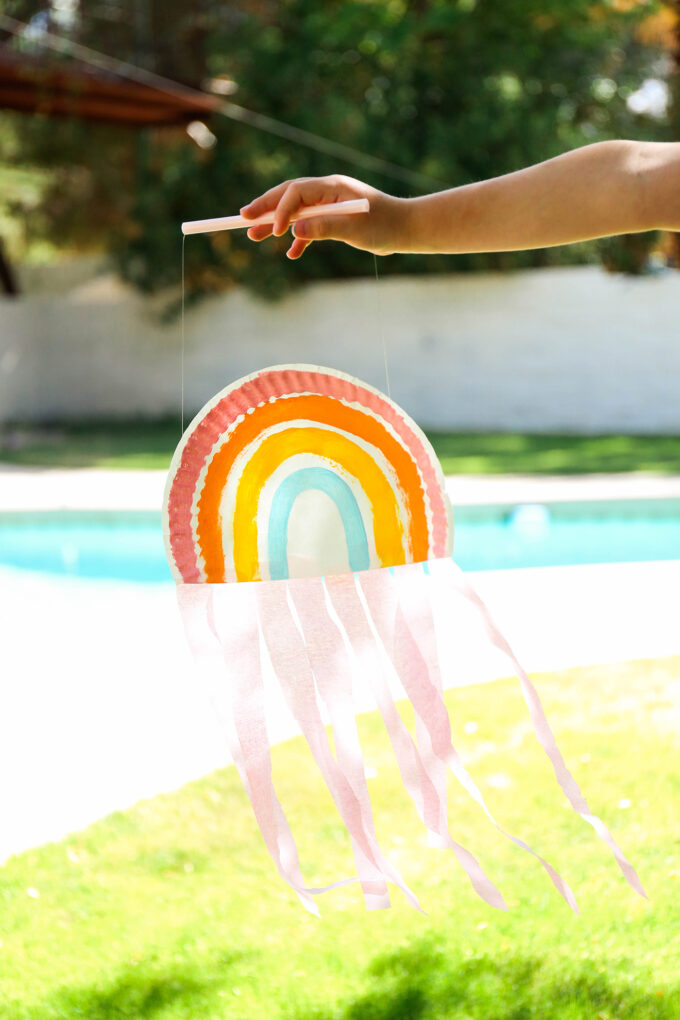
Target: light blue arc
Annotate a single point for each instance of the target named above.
(335, 488)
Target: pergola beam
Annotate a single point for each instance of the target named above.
(32, 85)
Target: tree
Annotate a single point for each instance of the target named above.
(453, 90)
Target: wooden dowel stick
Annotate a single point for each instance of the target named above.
(355, 205)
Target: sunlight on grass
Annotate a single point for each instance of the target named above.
(173, 909)
(509, 453)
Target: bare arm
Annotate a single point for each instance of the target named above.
(595, 191)
(599, 190)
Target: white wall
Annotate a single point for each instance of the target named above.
(570, 349)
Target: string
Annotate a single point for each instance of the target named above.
(184, 238)
(381, 329)
(381, 321)
(381, 326)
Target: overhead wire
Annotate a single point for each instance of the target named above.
(228, 109)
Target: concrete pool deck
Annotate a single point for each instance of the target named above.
(99, 705)
(28, 488)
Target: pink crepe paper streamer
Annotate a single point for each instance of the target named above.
(454, 578)
(293, 665)
(403, 619)
(430, 802)
(382, 613)
(332, 670)
(220, 622)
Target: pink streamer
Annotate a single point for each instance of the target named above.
(385, 614)
(221, 624)
(414, 655)
(329, 663)
(454, 577)
(293, 665)
(429, 802)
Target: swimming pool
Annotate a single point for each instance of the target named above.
(115, 545)
(128, 546)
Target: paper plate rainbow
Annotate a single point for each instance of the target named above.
(297, 471)
(326, 502)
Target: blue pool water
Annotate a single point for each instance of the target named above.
(129, 546)
(117, 546)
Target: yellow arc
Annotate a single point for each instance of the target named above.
(388, 529)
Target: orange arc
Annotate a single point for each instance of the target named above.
(388, 531)
(326, 411)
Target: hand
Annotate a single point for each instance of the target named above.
(378, 230)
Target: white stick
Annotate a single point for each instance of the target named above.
(355, 205)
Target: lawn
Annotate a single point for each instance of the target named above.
(172, 909)
(136, 445)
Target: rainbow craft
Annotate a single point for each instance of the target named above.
(326, 503)
(298, 471)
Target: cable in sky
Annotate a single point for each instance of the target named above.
(232, 111)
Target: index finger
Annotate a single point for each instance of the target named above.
(264, 203)
(305, 191)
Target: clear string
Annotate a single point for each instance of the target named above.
(381, 329)
(181, 370)
(381, 324)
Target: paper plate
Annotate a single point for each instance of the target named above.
(300, 471)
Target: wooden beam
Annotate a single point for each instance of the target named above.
(34, 86)
(84, 106)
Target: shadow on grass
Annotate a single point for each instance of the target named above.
(423, 983)
(132, 445)
(141, 992)
(150, 444)
(420, 983)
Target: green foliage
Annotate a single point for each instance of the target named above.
(452, 91)
(628, 253)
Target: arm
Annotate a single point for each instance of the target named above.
(595, 191)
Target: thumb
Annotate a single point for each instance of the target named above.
(327, 228)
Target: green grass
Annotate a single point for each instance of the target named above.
(173, 909)
(138, 445)
(22, 187)
(513, 453)
(127, 445)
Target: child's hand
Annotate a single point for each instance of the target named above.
(378, 230)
